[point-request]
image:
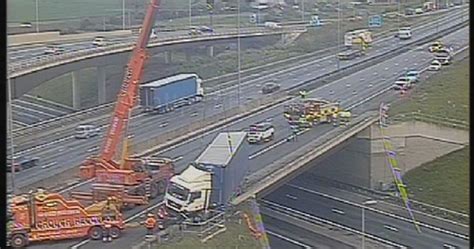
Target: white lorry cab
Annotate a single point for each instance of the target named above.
(212, 180)
(260, 132)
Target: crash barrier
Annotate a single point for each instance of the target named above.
(32, 38)
(42, 62)
(212, 82)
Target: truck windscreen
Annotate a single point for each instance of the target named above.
(178, 191)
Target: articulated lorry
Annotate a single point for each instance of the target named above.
(42, 216)
(212, 180)
(167, 94)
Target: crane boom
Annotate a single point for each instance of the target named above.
(128, 93)
(126, 100)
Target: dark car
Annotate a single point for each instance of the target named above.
(206, 29)
(21, 163)
(270, 87)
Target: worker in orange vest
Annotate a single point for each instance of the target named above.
(106, 232)
(150, 223)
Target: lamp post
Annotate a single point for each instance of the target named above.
(10, 122)
(238, 53)
(123, 14)
(190, 13)
(37, 16)
(302, 10)
(338, 30)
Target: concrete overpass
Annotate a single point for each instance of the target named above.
(27, 75)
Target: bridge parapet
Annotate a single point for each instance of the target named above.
(42, 62)
(280, 169)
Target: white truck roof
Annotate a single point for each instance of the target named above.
(168, 80)
(222, 148)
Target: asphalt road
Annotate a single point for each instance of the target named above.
(189, 150)
(67, 152)
(28, 52)
(283, 235)
(312, 182)
(351, 216)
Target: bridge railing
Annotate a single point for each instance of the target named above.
(434, 119)
(15, 69)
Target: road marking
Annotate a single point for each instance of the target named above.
(126, 221)
(288, 239)
(462, 236)
(291, 197)
(315, 219)
(49, 165)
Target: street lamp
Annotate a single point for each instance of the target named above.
(302, 10)
(338, 30)
(190, 22)
(238, 53)
(37, 16)
(123, 14)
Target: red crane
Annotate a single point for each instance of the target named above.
(126, 100)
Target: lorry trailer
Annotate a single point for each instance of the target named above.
(212, 180)
(42, 216)
(167, 94)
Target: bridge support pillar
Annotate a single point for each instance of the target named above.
(101, 79)
(211, 51)
(76, 94)
(168, 57)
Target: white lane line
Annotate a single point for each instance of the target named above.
(49, 165)
(314, 219)
(441, 230)
(288, 239)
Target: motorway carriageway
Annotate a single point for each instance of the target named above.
(69, 152)
(47, 139)
(28, 52)
(382, 80)
(303, 198)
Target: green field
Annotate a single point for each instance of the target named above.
(443, 182)
(24, 10)
(446, 94)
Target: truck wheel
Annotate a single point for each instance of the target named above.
(154, 192)
(95, 233)
(115, 232)
(19, 240)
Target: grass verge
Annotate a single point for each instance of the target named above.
(446, 94)
(443, 182)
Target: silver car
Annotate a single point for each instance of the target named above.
(86, 131)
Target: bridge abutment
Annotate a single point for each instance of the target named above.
(76, 94)
(101, 84)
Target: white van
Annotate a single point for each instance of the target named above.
(404, 33)
(86, 131)
(99, 41)
(260, 133)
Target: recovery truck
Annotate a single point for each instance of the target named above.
(308, 112)
(212, 180)
(133, 180)
(42, 216)
(358, 39)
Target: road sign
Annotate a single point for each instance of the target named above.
(375, 21)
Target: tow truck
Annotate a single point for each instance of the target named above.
(42, 216)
